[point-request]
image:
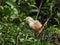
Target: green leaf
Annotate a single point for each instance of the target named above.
(33, 10)
(58, 14)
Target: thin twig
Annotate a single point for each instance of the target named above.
(39, 9)
(48, 19)
(27, 36)
(45, 23)
(17, 38)
(3, 41)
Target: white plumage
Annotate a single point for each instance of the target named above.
(34, 24)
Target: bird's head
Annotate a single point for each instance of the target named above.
(29, 19)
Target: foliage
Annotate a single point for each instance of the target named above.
(14, 30)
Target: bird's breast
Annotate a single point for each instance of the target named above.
(31, 25)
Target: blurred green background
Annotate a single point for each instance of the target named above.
(14, 30)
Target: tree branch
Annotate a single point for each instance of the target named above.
(17, 38)
(39, 9)
(45, 23)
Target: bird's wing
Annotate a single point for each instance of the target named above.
(37, 25)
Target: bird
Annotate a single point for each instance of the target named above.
(36, 25)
